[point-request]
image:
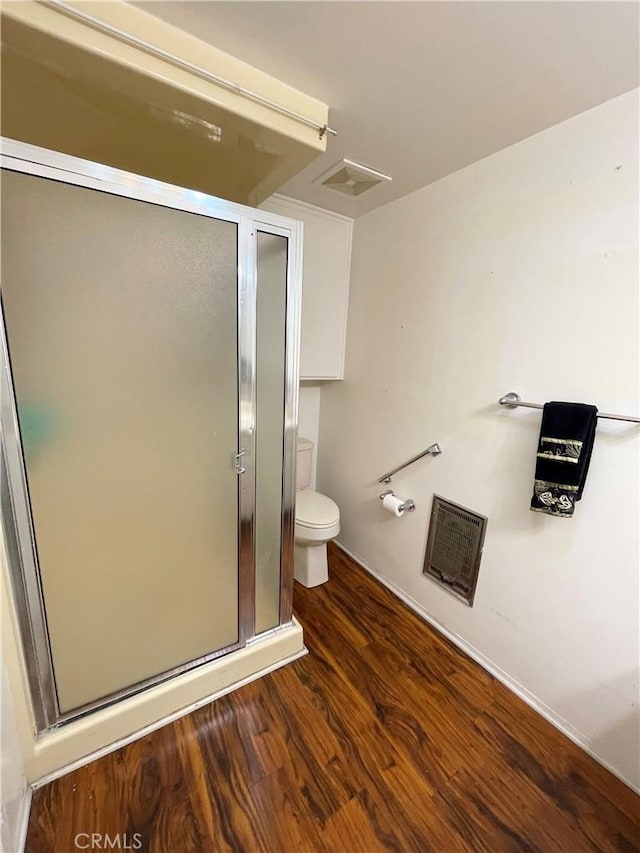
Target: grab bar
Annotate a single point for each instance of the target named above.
(432, 450)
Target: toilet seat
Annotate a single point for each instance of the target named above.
(315, 511)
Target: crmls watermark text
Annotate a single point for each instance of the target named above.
(104, 841)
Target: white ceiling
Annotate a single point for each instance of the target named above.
(421, 89)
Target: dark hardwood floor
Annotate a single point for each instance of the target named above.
(383, 738)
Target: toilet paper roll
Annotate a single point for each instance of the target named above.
(392, 504)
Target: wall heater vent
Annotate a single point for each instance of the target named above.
(454, 548)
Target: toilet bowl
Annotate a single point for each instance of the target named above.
(317, 522)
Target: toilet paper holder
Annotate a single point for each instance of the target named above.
(407, 505)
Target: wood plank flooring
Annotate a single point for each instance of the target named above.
(384, 738)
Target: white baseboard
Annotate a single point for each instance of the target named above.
(23, 822)
(169, 718)
(578, 737)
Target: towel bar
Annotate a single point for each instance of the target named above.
(512, 401)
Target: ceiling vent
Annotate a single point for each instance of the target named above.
(351, 178)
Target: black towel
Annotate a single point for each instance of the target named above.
(564, 453)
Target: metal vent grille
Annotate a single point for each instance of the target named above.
(454, 548)
(351, 178)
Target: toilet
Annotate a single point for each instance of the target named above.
(317, 522)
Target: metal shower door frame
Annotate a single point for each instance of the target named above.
(16, 512)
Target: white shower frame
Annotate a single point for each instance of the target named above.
(15, 508)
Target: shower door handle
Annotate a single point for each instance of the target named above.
(239, 468)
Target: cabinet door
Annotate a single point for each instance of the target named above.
(325, 286)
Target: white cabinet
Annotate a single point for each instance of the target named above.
(325, 285)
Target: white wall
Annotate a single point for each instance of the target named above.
(519, 273)
(16, 727)
(14, 790)
(15, 793)
(309, 420)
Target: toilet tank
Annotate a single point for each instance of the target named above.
(305, 455)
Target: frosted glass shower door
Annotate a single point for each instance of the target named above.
(272, 256)
(121, 320)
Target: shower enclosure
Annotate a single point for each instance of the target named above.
(149, 407)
